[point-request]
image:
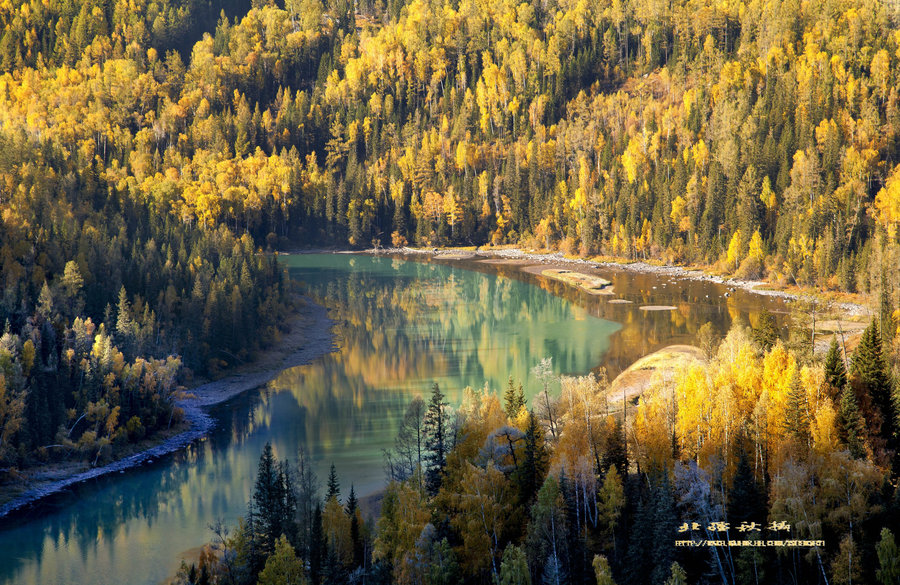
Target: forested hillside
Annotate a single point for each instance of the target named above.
(143, 177)
(105, 299)
(761, 136)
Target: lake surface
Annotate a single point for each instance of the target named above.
(402, 326)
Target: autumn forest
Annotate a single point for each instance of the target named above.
(154, 154)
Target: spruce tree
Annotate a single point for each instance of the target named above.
(869, 370)
(513, 399)
(436, 445)
(640, 543)
(334, 486)
(796, 416)
(45, 301)
(317, 546)
(514, 567)
(576, 560)
(545, 541)
(441, 565)
(530, 475)
(664, 525)
(554, 573)
(352, 507)
(835, 372)
(352, 502)
(851, 429)
(615, 454)
(746, 503)
(677, 576)
(765, 334)
(746, 500)
(333, 572)
(273, 502)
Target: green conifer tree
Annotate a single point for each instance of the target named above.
(796, 416)
(835, 372)
(273, 502)
(870, 372)
(851, 429)
(317, 546)
(530, 475)
(436, 428)
(513, 399)
(334, 486)
(765, 334)
(677, 576)
(355, 537)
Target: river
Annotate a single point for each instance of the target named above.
(402, 325)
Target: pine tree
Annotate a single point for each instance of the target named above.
(436, 430)
(317, 548)
(765, 334)
(513, 399)
(334, 486)
(274, 502)
(615, 454)
(850, 423)
(664, 523)
(746, 501)
(352, 511)
(835, 372)
(869, 370)
(796, 417)
(530, 475)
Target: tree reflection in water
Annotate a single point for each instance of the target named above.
(403, 326)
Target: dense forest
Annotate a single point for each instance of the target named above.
(756, 443)
(153, 151)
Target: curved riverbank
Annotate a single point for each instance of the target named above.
(310, 337)
(517, 256)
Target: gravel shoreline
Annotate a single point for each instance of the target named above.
(310, 337)
(516, 254)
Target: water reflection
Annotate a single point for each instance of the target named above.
(642, 332)
(403, 326)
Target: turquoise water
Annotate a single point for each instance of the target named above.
(402, 327)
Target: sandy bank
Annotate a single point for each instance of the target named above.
(661, 364)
